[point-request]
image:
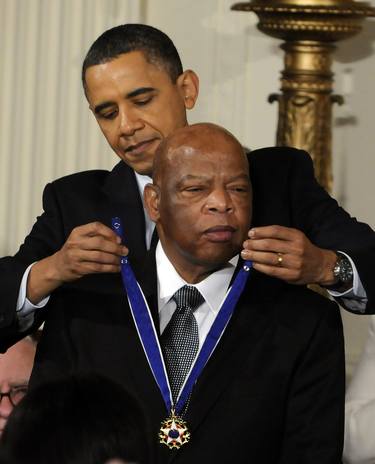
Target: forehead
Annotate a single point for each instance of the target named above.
(225, 161)
(125, 74)
(17, 362)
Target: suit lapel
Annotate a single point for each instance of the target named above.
(243, 335)
(146, 276)
(125, 202)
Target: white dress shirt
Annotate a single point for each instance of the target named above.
(213, 289)
(150, 226)
(359, 445)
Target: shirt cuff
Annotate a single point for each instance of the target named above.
(355, 298)
(24, 306)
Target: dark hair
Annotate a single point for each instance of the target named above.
(85, 419)
(156, 46)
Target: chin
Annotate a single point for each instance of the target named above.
(219, 259)
(142, 169)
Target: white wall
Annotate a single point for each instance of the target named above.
(238, 65)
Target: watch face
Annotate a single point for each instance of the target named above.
(343, 269)
(346, 272)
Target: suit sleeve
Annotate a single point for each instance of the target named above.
(314, 419)
(45, 238)
(360, 407)
(330, 226)
(287, 193)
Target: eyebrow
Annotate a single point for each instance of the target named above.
(197, 177)
(240, 177)
(19, 383)
(134, 93)
(192, 177)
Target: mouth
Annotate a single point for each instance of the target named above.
(220, 234)
(140, 147)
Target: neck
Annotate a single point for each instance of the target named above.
(193, 276)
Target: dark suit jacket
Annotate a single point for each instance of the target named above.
(285, 193)
(272, 392)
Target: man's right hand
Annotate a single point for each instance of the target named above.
(90, 249)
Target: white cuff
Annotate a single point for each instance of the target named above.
(355, 298)
(24, 306)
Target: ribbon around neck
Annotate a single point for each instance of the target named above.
(148, 334)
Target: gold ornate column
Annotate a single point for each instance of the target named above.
(309, 29)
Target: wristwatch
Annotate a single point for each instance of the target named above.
(343, 270)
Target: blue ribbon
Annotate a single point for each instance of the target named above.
(148, 335)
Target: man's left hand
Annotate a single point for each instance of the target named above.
(289, 255)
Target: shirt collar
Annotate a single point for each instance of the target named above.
(213, 288)
(142, 180)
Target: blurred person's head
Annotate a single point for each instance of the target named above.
(85, 419)
(15, 369)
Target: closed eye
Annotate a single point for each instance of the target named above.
(143, 101)
(239, 188)
(195, 188)
(108, 114)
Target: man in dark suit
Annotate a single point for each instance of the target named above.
(272, 391)
(136, 88)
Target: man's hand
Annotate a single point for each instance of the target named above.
(289, 255)
(90, 249)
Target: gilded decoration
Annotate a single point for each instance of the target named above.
(309, 29)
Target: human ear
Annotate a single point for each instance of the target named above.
(188, 84)
(151, 197)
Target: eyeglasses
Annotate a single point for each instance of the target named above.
(15, 394)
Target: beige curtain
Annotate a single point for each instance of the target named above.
(46, 130)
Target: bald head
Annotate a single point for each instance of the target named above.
(191, 141)
(15, 371)
(200, 198)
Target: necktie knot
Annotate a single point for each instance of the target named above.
(188, 297)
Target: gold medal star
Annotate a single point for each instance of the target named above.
(173, 432)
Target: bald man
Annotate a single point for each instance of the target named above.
(272, 389)
(15, 370)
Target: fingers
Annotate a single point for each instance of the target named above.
(287, 274)
(270, 240)
(97, 243)
(285, 260)
(275, 231)
(95, 229)
(276, 251)
(91, 248)
(96, 236)
(289, 255)
(271, 245)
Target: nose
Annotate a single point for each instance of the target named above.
(129, 122)
(219, 201)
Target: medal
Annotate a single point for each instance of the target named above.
(174, 432)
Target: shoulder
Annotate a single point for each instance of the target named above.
(93, 181)
(280, 167)
(75, 190)
(81, 180)
(278, 155)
